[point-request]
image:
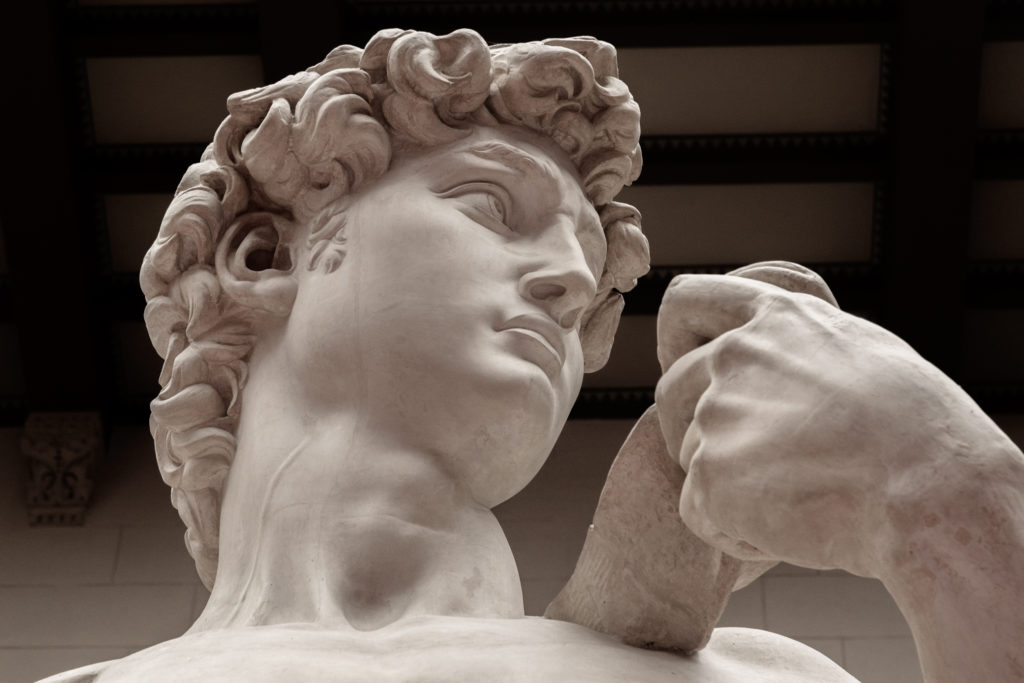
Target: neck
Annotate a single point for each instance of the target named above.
(328, 520)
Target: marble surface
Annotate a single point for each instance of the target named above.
(376, 297)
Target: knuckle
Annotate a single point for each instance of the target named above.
(708, 408)
(682, 280)
(774, 301)
(732, 352)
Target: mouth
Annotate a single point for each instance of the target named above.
(539, 339)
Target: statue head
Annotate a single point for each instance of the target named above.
(286, 174)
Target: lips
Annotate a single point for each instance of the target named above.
(542, 340)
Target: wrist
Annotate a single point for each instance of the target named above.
(953, 560)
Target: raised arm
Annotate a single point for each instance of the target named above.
(815, 437)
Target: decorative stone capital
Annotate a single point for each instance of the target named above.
(62, 450)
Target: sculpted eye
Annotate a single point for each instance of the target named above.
(484, 202)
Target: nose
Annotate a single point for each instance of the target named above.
(560, 280)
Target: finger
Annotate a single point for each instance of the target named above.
(677, 394)
(789, 276)
(697, 308)
(691, 441)
(700, 512)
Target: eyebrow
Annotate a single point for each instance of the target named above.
(515, 158)
(507, 155)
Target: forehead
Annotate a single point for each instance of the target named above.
(519, 148)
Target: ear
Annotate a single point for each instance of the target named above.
(255, 265)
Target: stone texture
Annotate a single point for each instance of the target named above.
(62, 451)
(643, 576)
(376, 297)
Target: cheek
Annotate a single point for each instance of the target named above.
(572, 371)
(320, 338)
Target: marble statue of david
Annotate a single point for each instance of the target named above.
(376, 297)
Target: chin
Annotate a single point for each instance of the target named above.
(498, 457)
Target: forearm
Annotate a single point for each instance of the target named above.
(956, 571)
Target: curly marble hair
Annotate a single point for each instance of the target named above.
(294, 148)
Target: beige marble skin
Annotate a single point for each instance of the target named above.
(340, 414)
(818, 438)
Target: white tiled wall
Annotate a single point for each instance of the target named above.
(75, 595)
(71, 596)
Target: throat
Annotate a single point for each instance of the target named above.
(386, 568)
(349, 543)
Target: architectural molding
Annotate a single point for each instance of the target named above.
(183, 29)
(5, 299)
(995, 284)
(627, 403)
(1000, 154)
(884, 88)
(643, 23)
(779, 157)
(992, 284)
(606, 403)
(62, 450)
(668, 159)
(1004, 20)
(612, 403)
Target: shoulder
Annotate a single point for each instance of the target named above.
(83, 674)
(769, 653)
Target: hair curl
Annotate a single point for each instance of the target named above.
(294, 148)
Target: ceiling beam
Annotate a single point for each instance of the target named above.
(622, 403)
(296, 34)
(1004, 20)
(668, 160)
(933, 128)
(636, 24)
(612, 403)
(163, 30)
(857, 286)
(189, 29)
(1000, 154)
(777, 158)
(995, 284)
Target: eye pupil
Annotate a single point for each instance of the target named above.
(495, 206)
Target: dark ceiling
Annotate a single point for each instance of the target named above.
(64, 303)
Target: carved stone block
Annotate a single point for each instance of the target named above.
(62, 450)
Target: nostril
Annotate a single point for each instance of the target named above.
(543, 291)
